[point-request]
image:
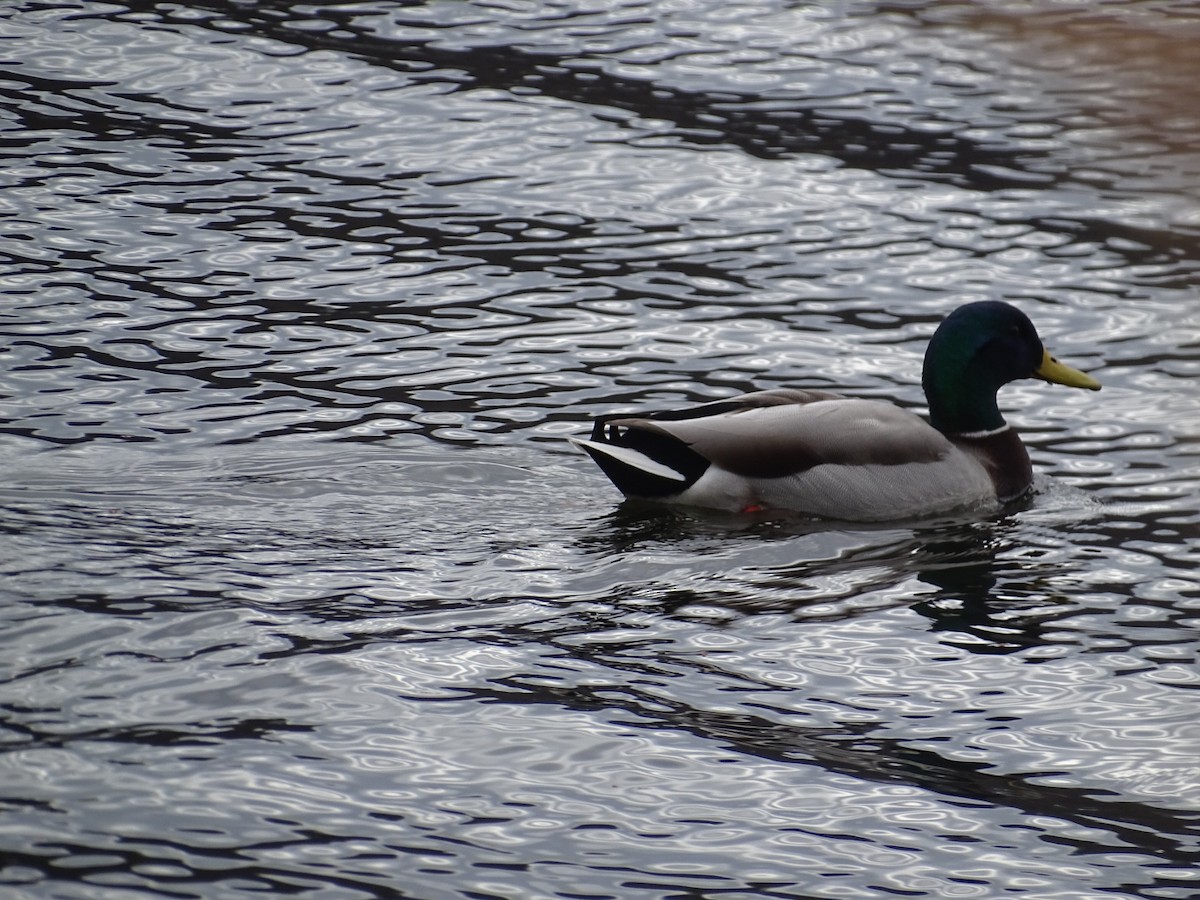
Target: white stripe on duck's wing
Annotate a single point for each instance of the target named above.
(627, 457)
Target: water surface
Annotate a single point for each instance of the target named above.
(304, 592)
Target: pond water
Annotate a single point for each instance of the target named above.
(304, 592)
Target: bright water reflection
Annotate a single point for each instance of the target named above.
(303, 591)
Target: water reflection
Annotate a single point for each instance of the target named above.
(852, 750)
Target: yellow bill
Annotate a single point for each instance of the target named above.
(1052, 370)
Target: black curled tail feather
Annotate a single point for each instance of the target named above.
(644, 438)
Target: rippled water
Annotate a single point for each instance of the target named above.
(304, 592)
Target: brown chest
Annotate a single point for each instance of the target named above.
(1004, 457)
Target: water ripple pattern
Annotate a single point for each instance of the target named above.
(303, 591)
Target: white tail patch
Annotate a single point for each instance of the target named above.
(631, 458)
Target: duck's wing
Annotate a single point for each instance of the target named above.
(765, 435)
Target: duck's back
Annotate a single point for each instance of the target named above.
(812, 452)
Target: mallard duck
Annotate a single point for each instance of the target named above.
(830, 456)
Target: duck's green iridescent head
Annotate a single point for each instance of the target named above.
(979, 348)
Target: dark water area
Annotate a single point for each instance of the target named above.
(304, 592)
